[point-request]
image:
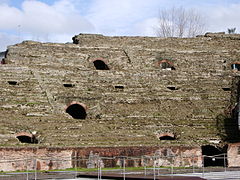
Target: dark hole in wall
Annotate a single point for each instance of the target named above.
(12, 82)
(119, 87)
(236, 67)
(76, 111)
(167, 138)
(166, 65)
(172, 88)
(3, 61)
(68, 85)
(214, 156)
(226, 89)
(100, 65)
(27, 139)
(2, 57)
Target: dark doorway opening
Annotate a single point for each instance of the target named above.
(100, 65)
(27, 139)
(214, 156)
(77, 111)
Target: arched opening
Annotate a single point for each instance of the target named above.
(166, 136)
(100, 65)
(77, 110)
(25, 137)
(165, 65)
(214, 156)
(236, 66)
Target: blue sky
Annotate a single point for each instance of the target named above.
(59, 20)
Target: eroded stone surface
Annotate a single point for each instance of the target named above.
(13, 159)
(193, 100)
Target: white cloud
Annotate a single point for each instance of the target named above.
(12, 16)
(65, 7)
(146, 27)
(39, 21)
(63, 19)
(59, 18)
(136, 17)
(119, 17)
(220, 18)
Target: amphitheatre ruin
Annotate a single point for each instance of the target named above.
(121, 96)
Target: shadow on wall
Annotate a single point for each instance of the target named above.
(227, 123)
(228, 128)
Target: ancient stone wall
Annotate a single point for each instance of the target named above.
(13, 159)
(234, 155)
(150, 86)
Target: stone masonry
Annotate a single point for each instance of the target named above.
(104, 91)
